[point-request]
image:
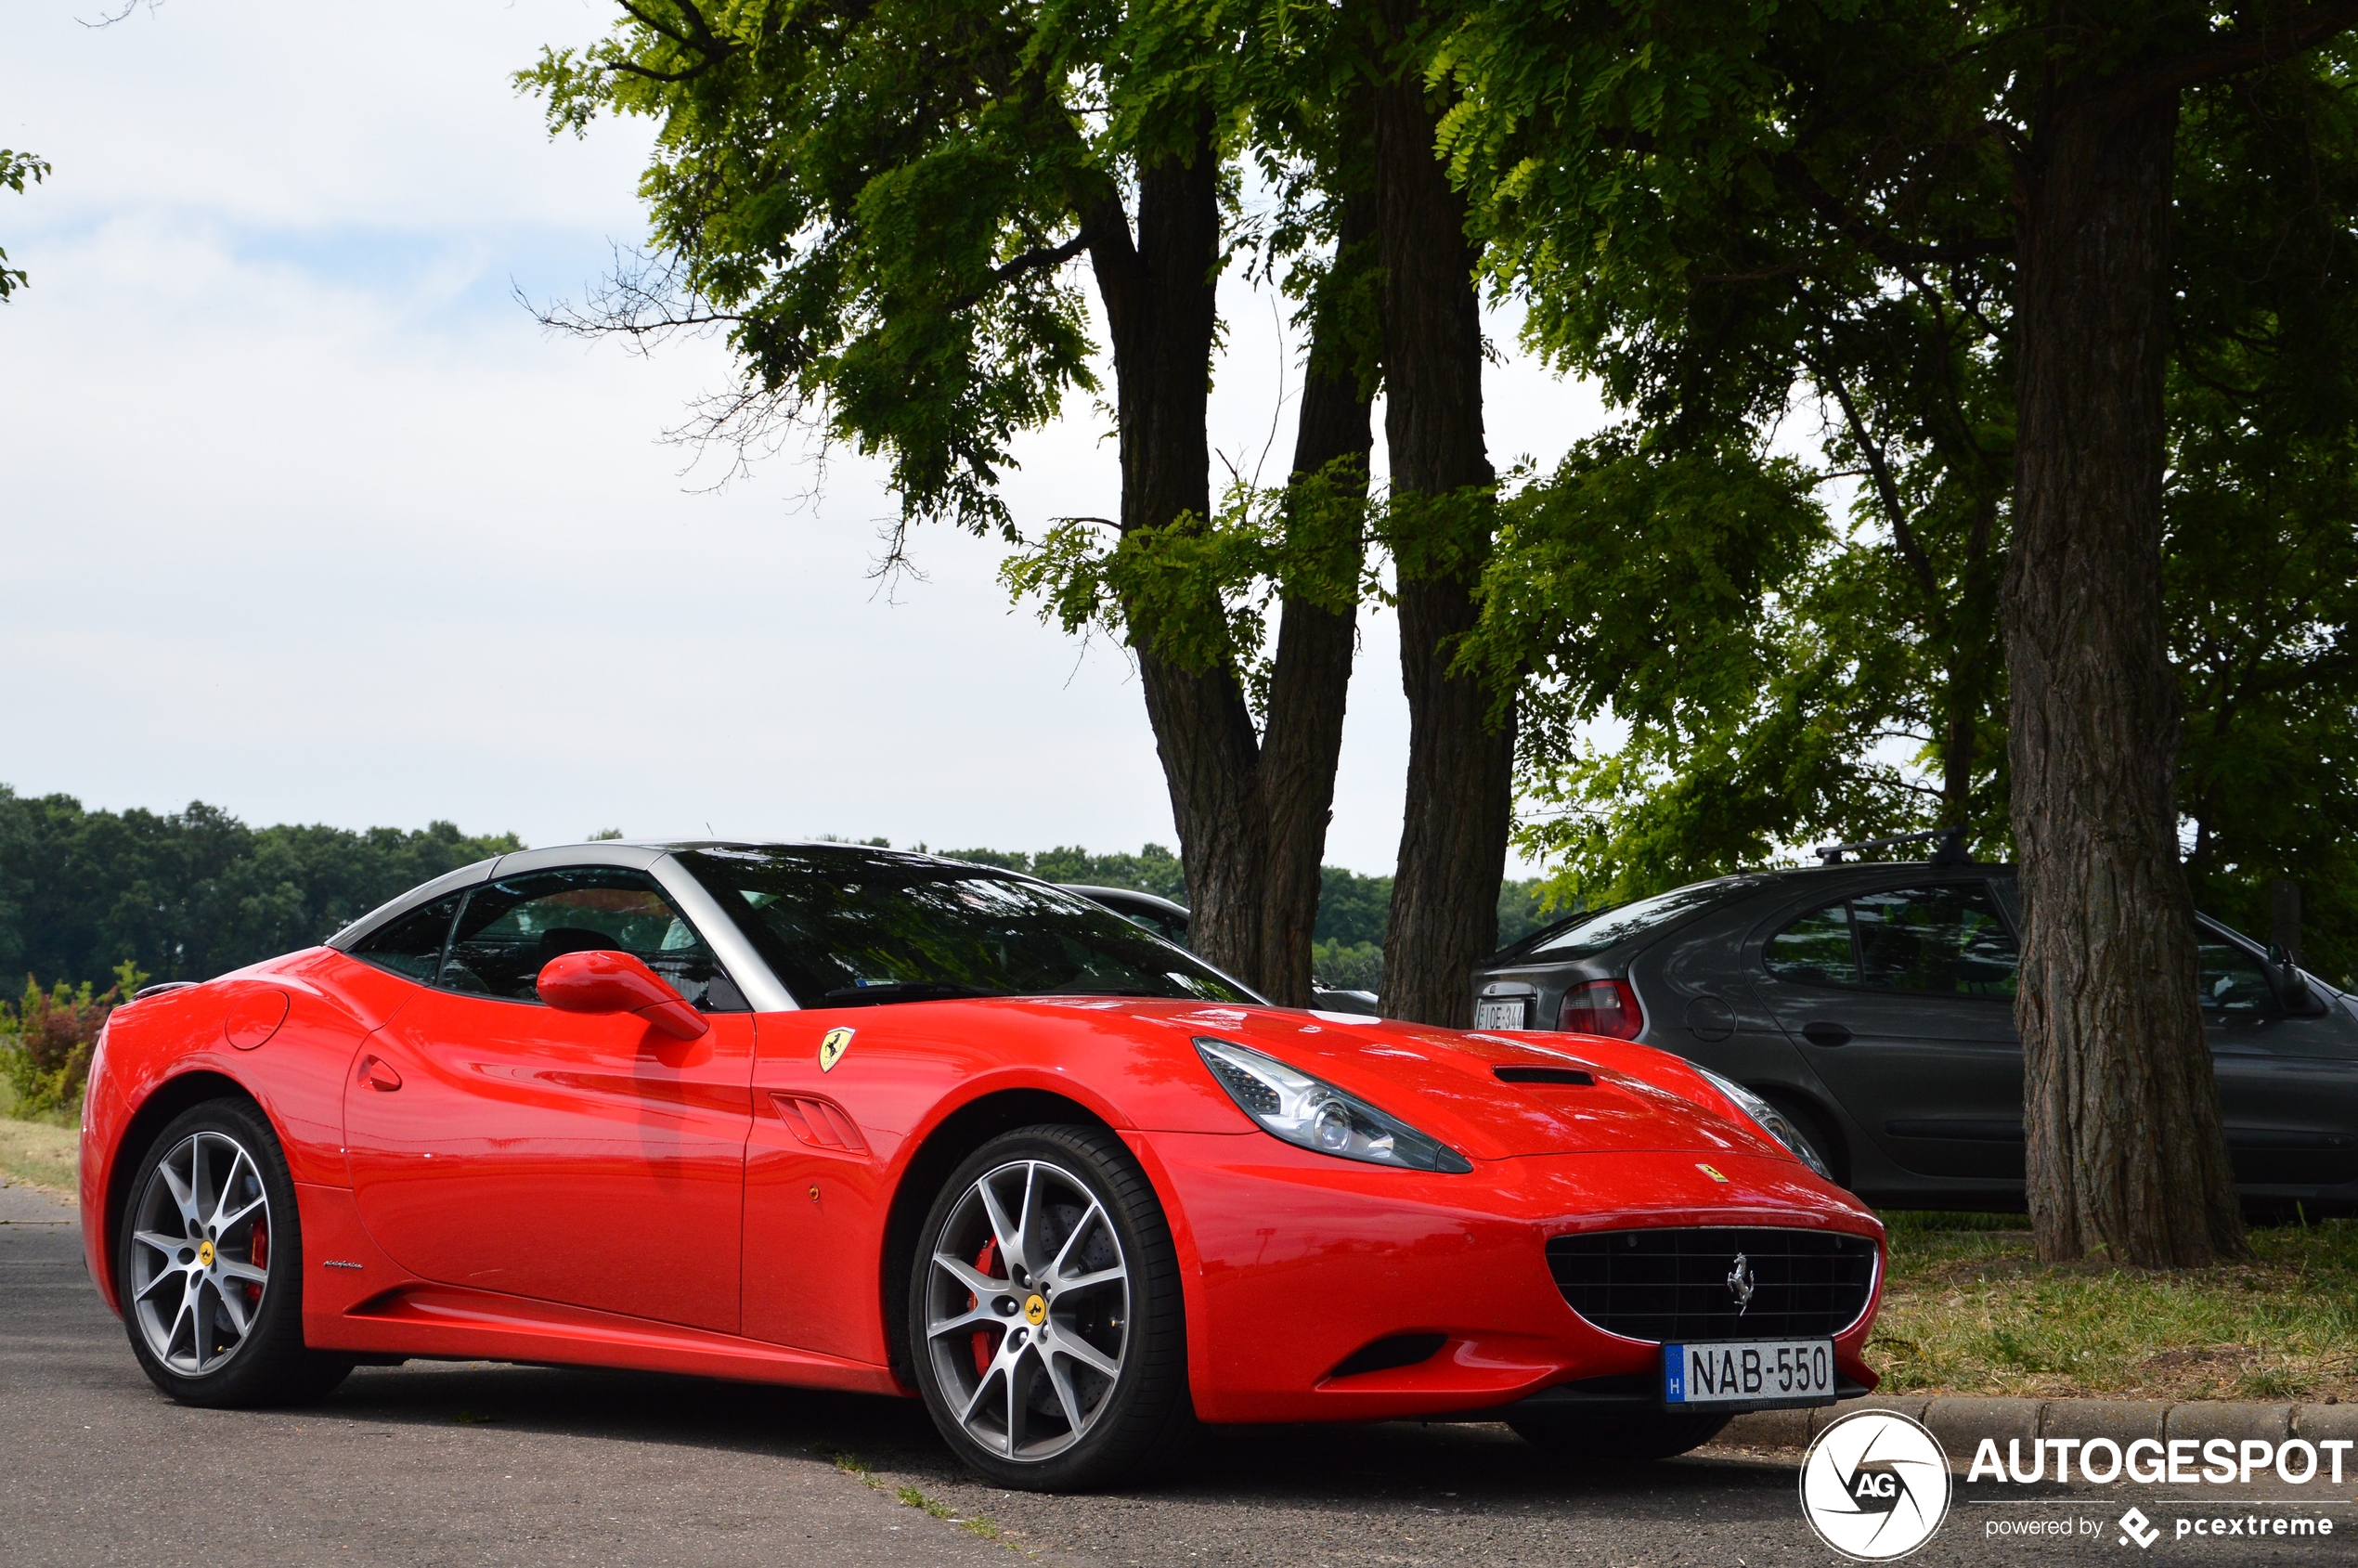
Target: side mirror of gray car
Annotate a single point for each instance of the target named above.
(2293, 989)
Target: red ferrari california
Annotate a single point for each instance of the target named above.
(852, 1119)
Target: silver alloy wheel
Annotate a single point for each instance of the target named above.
(200, 1252)
(1027, 1310)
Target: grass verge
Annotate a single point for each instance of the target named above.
(1967, 1311)
(41, 1150)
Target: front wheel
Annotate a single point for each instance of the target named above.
(210, 1266)
(1045, 1323)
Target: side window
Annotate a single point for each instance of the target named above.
(1816, 948)
(2232, 979)
(509, 929)
(411, 946)
(1948, 941)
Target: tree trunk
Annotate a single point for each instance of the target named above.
(1251, 815)
(1312, 680)
(1452, 840)
(2122, 1111)
(1160, 301)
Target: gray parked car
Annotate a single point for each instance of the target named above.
(1872, 1005)
(1169, 921)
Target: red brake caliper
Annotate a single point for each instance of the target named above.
(260, 1253)
(984, 1345)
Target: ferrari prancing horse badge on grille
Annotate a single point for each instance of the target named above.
(832, 1046)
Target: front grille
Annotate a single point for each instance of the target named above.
(1673, 1285)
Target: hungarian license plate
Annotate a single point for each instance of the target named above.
(1761, 1374)
(1511, 1014)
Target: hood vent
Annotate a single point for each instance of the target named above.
(1561, 1077)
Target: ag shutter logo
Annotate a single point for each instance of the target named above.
(1874, 1486)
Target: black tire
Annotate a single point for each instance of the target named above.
(1137, 1421)
(267, 1363)
(1615, 1442)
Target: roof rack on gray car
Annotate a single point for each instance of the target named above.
(1951, 850)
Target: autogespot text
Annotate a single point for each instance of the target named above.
(2219, 1461)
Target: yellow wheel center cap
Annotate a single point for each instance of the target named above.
(204, 1254)
(1035, 1311)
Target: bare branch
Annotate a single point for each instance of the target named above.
(643, 301)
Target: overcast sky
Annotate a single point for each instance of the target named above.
(300, 514)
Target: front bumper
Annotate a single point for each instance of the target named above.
(1293, 1261)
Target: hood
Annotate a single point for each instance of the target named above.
(1489, 1093)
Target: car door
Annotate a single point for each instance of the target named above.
(2288, 1074)
(1901, 1000)
(499, 1143)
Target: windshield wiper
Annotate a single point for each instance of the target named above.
(903, 991)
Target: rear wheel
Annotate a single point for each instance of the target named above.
(210, 1266)
(1614, 1440)
(1045, 1323)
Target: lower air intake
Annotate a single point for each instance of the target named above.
(1685, 1284)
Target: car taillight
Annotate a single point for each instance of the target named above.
(1606, 1007)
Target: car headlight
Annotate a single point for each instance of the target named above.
(1312, 1114)
(1771, 1120)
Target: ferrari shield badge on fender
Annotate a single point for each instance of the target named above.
(1699, 1165)
(832, 1046)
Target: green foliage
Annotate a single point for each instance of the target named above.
(50, 1037)
(1152, 870)
(2261, 509)
(1339, 965)
(1200, 591)
(1725, 211)
(1353, 909)
(877, 204)
(15, 168)
(196, 893)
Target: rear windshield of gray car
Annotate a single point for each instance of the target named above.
(848, 926)
(1610, 927)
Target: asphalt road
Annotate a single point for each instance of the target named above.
(485, 1464)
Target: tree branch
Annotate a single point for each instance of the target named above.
(2232, 54)
(1904, 536)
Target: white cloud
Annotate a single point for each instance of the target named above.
(303, 517)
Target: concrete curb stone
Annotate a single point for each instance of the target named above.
(2229, 1419)
(2123, 1421)
(2318, 1422)
(1962, 1424)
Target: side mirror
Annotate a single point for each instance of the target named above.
(2292, 991)
(616, 982)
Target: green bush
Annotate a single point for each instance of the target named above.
(49, 1037)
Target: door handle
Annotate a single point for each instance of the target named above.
(1827, 1034)
(378, 1074)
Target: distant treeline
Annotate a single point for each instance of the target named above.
(195, 893)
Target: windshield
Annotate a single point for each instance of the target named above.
(852, 926)
(1611, 926)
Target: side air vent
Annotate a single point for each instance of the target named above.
(1390, 1352)
(1689, 1284)
(821, 1124)
(1566, 1077)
